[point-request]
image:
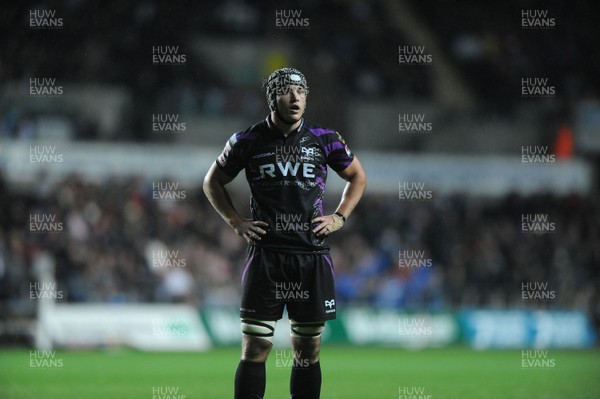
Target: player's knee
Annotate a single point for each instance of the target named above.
(255, 349)
(307, 348)
(306, 339)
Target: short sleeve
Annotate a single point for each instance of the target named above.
(231, 160)
(338, 154)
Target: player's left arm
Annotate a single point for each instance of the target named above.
(356, 179)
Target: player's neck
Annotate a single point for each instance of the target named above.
(284, 128)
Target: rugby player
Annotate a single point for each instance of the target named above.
(285, 159)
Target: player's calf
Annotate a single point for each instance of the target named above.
(250, 376)
(305, 379)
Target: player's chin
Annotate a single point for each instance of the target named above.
(294, 115)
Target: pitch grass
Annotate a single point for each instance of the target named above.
(348, 373)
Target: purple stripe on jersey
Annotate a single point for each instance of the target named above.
(324, 170)
(319, 204)
(246, 268)
(329, 148)
(330, 264)
(320, 131)
(321, 182)
(246, 136)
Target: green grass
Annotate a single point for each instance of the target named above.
(348, 373)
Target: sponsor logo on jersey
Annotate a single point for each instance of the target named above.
(285, 169)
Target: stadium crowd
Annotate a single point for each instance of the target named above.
(115, 242)
(490, 55)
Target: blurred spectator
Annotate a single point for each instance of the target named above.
(120, 245)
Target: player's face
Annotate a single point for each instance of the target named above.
(291, 102)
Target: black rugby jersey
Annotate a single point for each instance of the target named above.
(287, 178)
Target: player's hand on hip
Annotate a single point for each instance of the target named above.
(327, 224)
(251, 230)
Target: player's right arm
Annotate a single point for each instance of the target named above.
(214, 189)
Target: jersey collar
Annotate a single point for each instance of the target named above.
(275, 129)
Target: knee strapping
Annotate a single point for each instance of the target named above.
(258, 328)
(307, 330)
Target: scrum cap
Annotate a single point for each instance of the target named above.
(279, 80)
